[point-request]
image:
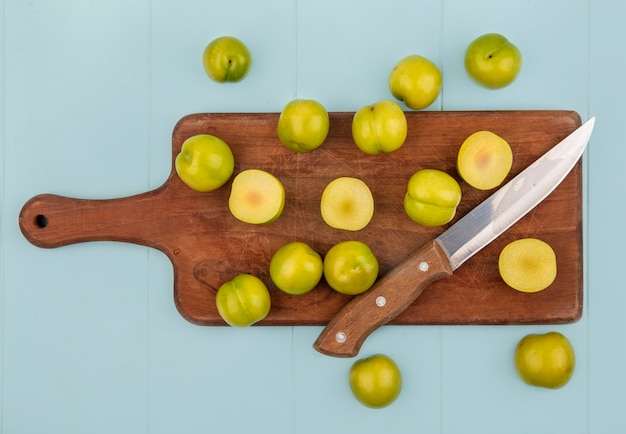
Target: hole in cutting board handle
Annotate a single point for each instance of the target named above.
(41, 221)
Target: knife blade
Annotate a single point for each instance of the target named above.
(345, 333)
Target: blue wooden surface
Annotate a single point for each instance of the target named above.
(90, 340)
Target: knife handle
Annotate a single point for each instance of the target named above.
(392, 294)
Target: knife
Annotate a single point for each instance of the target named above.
(393, 293)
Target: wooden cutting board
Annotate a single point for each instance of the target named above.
(207, 246)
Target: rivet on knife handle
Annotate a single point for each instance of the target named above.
(391, 295)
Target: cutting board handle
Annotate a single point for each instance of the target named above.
(49, 220)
